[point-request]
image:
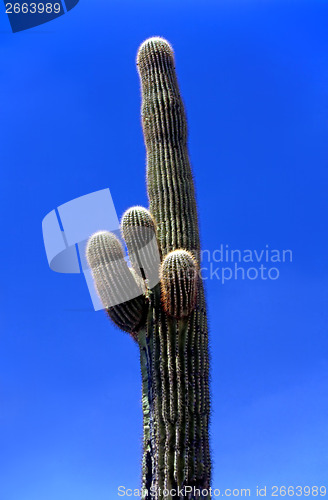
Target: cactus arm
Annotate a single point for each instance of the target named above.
(139, 232)
(115, 281)
(179, 280)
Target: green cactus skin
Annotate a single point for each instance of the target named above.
(114, 280)
(178, 278)
(168, 318)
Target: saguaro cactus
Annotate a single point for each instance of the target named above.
(160, 299)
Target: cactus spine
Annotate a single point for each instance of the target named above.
(167, 313)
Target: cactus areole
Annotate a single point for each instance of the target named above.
(167, 314)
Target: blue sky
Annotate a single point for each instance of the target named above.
(254, 81)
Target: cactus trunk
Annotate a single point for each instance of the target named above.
(174, 365)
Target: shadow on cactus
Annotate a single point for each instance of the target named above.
(160, 299)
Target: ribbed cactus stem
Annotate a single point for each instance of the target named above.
(169, 178)
(168, 315)
(179, 276)
(139, 233)
(115, 282)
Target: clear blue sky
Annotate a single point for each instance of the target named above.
(254, 82)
